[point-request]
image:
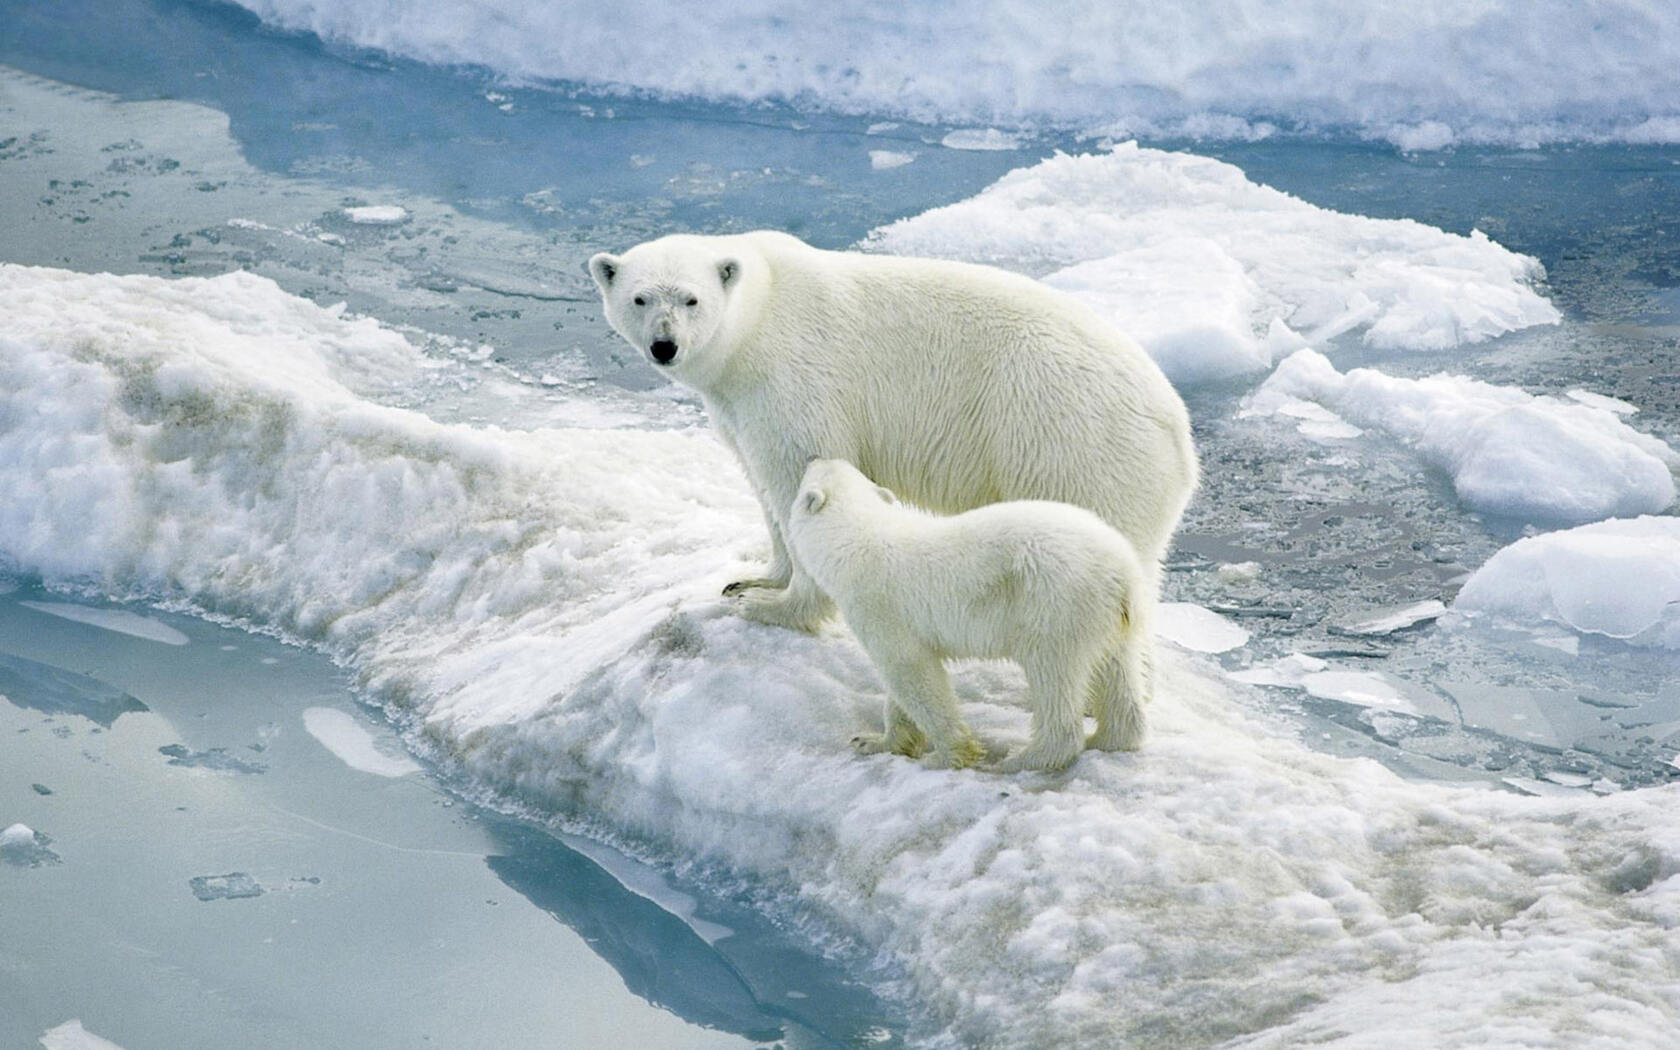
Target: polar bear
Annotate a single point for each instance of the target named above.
(1048, 585)
(953, 384)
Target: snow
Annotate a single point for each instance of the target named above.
(17, 835)
(541, 606)
(1196, 628)
(1618, 578)
(1509, 453)
(1218, 276)
(119, 620)
(351, 743)
(1426, 75)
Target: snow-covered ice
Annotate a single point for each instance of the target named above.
(1218, 276)
(1619, 578)
(542, 607)
(1426, 75)
(1508, 452)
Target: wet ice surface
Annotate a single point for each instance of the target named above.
(179, 902)
(1327, 549)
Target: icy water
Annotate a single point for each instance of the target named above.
(188, 140)
(233, 851)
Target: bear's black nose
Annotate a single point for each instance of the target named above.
(663, 351)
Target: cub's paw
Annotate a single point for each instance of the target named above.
(964, 753)
(881, 744)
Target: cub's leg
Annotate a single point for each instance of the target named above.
(1059, 687)
(1118, 694)
(920, 693)
(1120, 689)
(901, 736)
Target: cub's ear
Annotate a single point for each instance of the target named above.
(812, 500)
(886, 495)
(603, 268)
(728, 271)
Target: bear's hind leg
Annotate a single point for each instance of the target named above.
(1120, 689)
(1058, 690)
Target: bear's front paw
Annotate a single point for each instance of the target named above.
(779, 609)
(740, 587)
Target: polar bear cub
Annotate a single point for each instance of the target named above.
(1048, 585)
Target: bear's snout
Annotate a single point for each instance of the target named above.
(663, 350)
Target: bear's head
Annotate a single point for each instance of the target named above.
(669, 298)
(835, 483)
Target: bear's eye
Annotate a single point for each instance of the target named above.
(639, 301)
(693, 301)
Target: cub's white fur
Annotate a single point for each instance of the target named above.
(1048, 585)
(955, 385)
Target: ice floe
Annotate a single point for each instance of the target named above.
(119, 620)
(1508, 452)
(1218, 276)
(351, 743)
(1618, 578)
(1197, 628)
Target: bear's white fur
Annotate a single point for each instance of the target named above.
(956, 385)
(1048, 585)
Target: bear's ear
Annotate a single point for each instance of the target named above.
(886, 495)
(812, 500)
(728, 271)
(603, 268)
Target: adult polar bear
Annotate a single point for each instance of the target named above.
(954, 385)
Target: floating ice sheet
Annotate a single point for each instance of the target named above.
(351, 743)
(1197, 629)
(1508, 452)
(1617, 578)
(72, 1036)
(1216, 275)
(544, 605)
(119, 620)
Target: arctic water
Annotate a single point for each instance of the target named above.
(1315, 585)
